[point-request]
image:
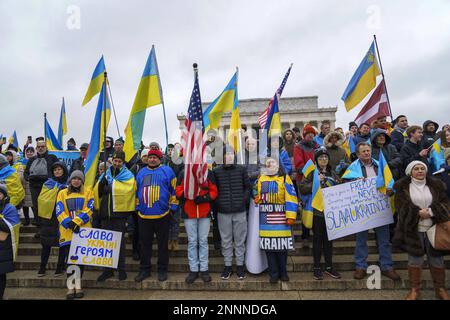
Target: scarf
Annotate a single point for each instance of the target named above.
(421, 196)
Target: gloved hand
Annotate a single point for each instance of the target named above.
(71, 225)
(202, 199)
(76, 229)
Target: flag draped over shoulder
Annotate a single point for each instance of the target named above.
(10, 177)
(97, 137)
(436, 155)
(363, 80)
(50, 138)
(194, 146)
(62, 128)
(98, 77)
(12, 220)
(385, 179)
(225, 102)
(148, 95)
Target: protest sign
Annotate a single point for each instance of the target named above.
(355, 206)
(68, 157)
(275, 234)
(95, 247)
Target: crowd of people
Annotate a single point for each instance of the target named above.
(146, 197)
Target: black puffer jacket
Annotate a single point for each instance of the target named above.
(390, 153)
(429, 137)
(50, 227)
(234, 188)
(38, 181)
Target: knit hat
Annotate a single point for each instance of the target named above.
(4, 190)
(412, 165)
(120, 141)
(77, 174)
(155, 144)
(352, 124)
(308, 129)
(84, 146)
(157, 153)
(144, 153)
(320, 152)
(119, 155)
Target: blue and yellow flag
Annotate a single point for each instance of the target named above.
(62, 128)
(149, 94)
(97, 137)
(11, 218)
(385, 179)
(234, 136)
(50, 138)
(225, 102)
(363, 81)
(14, 141)
(436, 155)
(307, 212)
(96, 83)
(317, 196)
(273, 124)
(349, 146)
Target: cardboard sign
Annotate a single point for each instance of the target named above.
(355, 206)
(95, 247)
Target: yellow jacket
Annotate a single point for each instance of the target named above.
(76, 207)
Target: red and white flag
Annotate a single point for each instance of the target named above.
(376, 107)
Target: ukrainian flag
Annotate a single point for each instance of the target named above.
(363, 81)
(234, 137)
(273, 123)
(97, 80)
(226, 101)
(149, 94)
(50, 138)
(384, 177)
(97, 137)
(308, 168)
(317, 196)
(14, 141)
(62, 128)
(436, 155)
(349, 146)
(307, 212)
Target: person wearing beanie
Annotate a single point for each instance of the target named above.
(324, 130)
(154, 146)
(420, 202)
(156, 202)
(275, 192)
(413, 149)
(10, 177)
(74, 208)
(232, 203)
(9, 237)
(78, 164)
(328, 178)
(47, 217)
(116, 191)
(71, 145)
(399, 135)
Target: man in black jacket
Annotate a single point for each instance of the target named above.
(429, 133)
(413, 148)
(399, 135)
(37, 171)
(78, 164)
(234, 195)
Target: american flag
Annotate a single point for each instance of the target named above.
(262, 120)
(196, 167)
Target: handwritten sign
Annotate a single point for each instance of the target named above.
(355, 206)
(95, 247)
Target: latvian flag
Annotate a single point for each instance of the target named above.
(376, 107)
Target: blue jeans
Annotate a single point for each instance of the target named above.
(383, 244)
(197, 231)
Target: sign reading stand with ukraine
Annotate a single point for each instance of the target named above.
(95, 247)
(354, 207)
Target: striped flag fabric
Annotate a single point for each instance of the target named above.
(196, 166)
(376, 107)
(263, 117)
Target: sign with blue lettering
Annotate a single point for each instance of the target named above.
(355, 206)
(95, 247)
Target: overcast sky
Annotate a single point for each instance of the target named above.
(47, 53)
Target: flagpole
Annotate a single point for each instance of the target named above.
(105, 156)
(45, 128)
(112, 103)
(382, 73)
(162, 98)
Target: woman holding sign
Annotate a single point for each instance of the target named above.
(74, 208)
(278, 204)
(327, 178)
(420, 202)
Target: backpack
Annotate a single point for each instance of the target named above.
(39, 168)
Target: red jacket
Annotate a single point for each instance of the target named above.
(191, 210)
(302, 153)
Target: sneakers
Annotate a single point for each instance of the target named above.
(240, 272)
(227, 272)
(205, 276)
(142, 275)
(192, 276)
(162, 276)
(122, 275)
(41, 272)
(105, 275)
(332, 273)
(318, 275)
